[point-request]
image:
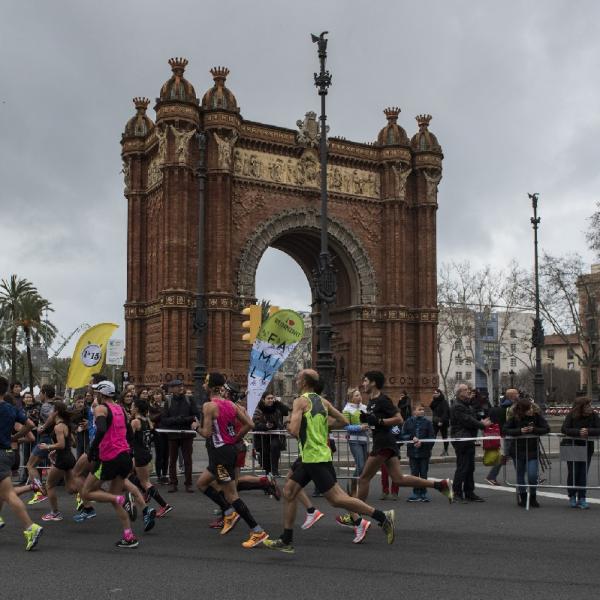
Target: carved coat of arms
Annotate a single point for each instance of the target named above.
(308, 134)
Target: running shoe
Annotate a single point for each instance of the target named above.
(583, 504)
(425, 498)
(52, 516)
(84, 515)
(273, 488)
(163, 511)
(360, 531)
(37, 498)
(345, 520)
(78, 502)
(2, 523)
(129, 506)
(38, 486)
(384, 496)
(312, 518)
(149, 519)
(388, 526)
(446, 489)
(229, 522)
(32, 535)
(414, 498)
(217, 523)
(256, 538)
(573, 502)
(131, 543)
(278, 544)
(492, 481)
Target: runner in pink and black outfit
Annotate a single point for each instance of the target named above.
(112, 456)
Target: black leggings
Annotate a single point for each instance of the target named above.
(444, 429)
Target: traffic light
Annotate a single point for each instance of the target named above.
(253, 312)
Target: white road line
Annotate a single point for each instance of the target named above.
(504, 488)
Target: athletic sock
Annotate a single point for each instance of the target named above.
(379, 516)
(310, 510)
(241, 509)
(217, 498)
(244, 486)
(257, 529)
(128, 534)
(88, 509)
(437, 485)
(120, 500)
(358, 521)
(155, 495)
(287, 537)
(134, 479)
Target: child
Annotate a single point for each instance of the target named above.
(417, 428)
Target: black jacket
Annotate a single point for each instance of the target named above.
(440, 410)
(463, 422)
(527, 446)
(571, 427)
(269, 418)
(179, 413)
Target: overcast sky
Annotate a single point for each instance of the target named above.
(513, 88)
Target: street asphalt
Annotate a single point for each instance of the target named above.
(493, 550)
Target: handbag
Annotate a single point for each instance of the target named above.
(491, 457)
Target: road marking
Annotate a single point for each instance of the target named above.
(504, 488)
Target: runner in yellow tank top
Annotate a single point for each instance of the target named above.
(311, 418)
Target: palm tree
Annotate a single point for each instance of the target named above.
(11, 294)
(32, 309)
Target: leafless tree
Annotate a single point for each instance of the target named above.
(593, 233)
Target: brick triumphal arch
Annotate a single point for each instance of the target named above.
(256, 186)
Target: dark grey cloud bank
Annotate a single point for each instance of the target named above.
(512, 86)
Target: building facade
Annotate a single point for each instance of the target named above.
(208, 191)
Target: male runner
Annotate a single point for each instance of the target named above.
(218, 428)
(382, 416)
(111, 448)
(9, 415)
(311, 418)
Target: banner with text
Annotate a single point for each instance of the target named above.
(89, 354)
(277, 337)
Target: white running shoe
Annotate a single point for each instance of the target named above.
(360, 531)
(312, 518)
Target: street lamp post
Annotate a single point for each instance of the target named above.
(200, 317)
(324, 274)
(537, 334)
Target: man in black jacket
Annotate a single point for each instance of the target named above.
(178, 414)
(464, 424)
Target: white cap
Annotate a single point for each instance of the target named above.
(106, 388)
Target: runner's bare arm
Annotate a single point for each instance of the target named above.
(135, 424)
(298, 408)
(59, 431)
(247, 422)
(23, 430)
(209, 410)
(334, 417)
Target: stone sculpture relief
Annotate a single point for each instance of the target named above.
(432, 179)
(225, 149)
(182, 143)
(401, 174)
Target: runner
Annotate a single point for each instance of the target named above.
(9, 415)
(142, 455)
(311, 418)
(382, 416)
(218, 428)
(64, 461)
(112, 449)
(266, 483)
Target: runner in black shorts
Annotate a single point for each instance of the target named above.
(64, 460)
(382, 416)
(142, 457)
(311, 418)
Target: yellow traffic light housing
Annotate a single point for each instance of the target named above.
(253, 312)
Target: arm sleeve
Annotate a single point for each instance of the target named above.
(101, 429)
(568, 429)
(541, 427)
(353, 428)
(511, 428)
(594, 430)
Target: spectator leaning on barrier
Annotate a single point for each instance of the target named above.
(179, 413)
(582, 423)
(440, 410)
(498, 417)
(358, 438)
(464, 424)
(269, 416)
(526, 424)
(417, 428)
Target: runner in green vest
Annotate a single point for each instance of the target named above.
(312, 416)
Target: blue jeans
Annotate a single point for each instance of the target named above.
(577, 476)
(523, 464)
(419, 467)
(359, 453)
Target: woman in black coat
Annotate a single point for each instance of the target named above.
(526, 424)
(268, 416)
(440, 410)
(581, 424)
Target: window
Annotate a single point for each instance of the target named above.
(570, 366)
(482, 332)
(490, 332)
(513, 348)
(513, 362)
(457, 345)
(550, 354)
(468, 375)
(468, 361)
(458, 376)
(459, 360)
(570, 354)
(513, 333)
